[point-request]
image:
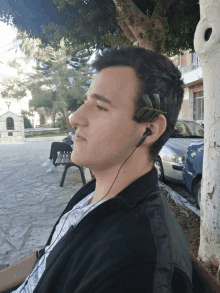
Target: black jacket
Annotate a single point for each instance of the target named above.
(130, 243)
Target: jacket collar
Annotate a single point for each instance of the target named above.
(126, 199)
(143, 185)
(140, 188)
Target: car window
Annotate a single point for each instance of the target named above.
(188, 129)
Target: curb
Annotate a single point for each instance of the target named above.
(179, 200)
(43, 138)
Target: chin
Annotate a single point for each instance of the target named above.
(77, 159)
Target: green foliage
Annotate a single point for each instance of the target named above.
(115, 39)
(95, 24)
(74, 103)
(60, 79)
(183, 17)
(26, 113)
(85, 22)
(56, 86)
(60, 121)
(27, 122)
(13, 88)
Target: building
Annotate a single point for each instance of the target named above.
(11, 128)
(16, 105)
(193, 103)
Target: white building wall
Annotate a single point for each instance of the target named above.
(12, 136)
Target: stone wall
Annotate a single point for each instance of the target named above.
(15, 135)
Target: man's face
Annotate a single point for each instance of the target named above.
(110, 135)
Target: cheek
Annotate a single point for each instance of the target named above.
(120, 138)
(114, 132)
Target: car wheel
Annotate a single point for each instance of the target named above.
(198, 194)
(158, 165)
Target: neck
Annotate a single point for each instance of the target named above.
(130, 171)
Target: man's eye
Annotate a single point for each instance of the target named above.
(102, 109)
(99, 107)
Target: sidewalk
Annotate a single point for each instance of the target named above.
(30, 199)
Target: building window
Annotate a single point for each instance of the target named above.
(195, 59)
(10, 123)
(10, 133)
(198, 106)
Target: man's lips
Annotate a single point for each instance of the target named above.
(79, 137)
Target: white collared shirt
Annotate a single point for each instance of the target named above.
(69, 219)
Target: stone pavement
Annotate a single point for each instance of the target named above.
(30, 199)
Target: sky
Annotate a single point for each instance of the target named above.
(7, 35)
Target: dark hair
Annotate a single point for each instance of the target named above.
(157, 75)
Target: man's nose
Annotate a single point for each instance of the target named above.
(78, 117)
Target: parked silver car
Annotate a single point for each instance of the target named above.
(171, 159)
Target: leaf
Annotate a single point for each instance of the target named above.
(150, 115)
(147, 101)
(157, 101)
(142, 114)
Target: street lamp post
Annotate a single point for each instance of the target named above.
(8, 104)
(32, 118)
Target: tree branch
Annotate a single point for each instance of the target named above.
(127, 32)
(138, 23)
(149, 31)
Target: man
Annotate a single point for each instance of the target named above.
(66, 145)
(118, 233)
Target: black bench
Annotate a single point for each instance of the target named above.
(64, 158)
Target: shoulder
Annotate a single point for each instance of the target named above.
(170, 240)
(180, 282)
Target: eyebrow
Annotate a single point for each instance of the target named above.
(99, 97)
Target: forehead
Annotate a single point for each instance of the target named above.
(119, 84)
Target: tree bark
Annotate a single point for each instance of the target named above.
(68, 126)
(207, 46)
(42, 119)
(148, 31)
(127, 32)
(53, 118)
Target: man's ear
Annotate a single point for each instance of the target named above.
(157, 127)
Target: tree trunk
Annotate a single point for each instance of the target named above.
(207, 46)
(53, 118)
(68, 126)
(42, 119)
